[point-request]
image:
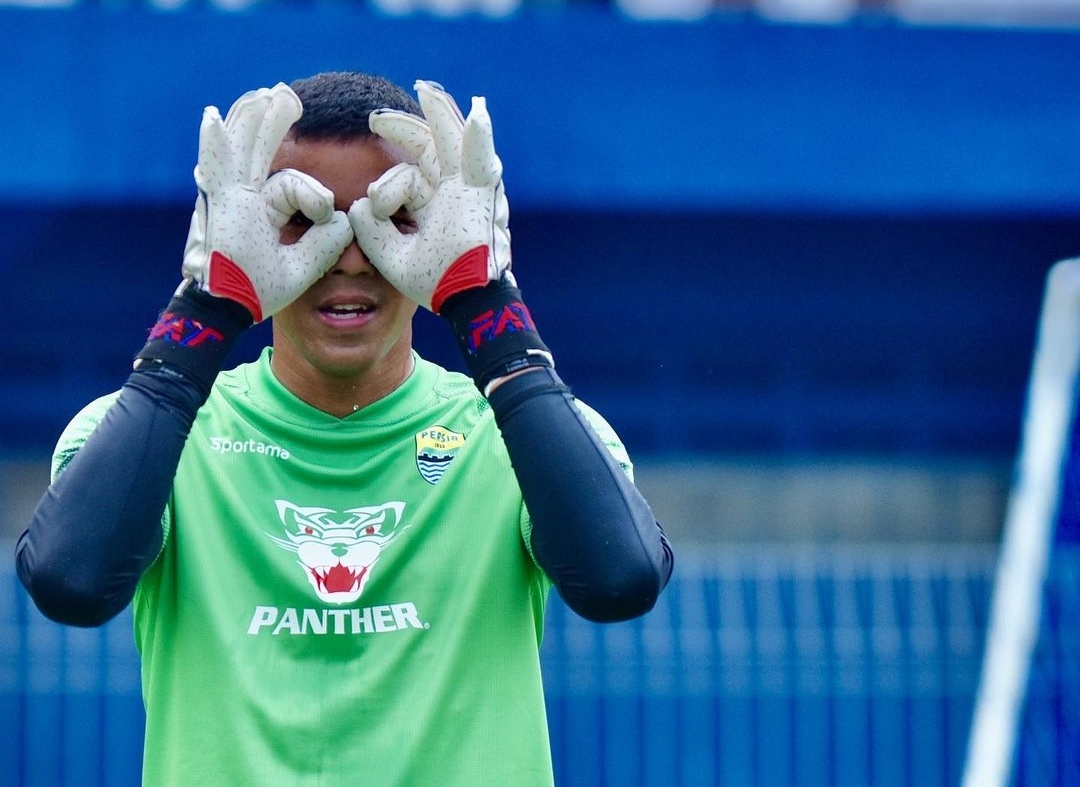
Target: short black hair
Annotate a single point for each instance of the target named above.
(337, 103)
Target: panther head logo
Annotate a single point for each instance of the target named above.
(337, 550)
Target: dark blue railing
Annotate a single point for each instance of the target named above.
(762, 668)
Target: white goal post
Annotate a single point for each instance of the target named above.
(1033, 503)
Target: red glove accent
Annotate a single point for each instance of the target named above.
(467, 271)
(228, 280)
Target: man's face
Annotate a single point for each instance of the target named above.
(351, 324)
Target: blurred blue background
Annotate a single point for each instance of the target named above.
(794, 250)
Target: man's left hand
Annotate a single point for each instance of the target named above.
(451, 187)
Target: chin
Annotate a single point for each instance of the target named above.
(349, 363)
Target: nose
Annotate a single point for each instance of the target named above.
(352, 262)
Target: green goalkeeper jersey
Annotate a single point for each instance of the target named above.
(342, 601)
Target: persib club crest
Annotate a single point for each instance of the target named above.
(436, 448)
(338, 550)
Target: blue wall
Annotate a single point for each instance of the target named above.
(696, 332)
(590, 110)
(736, 235)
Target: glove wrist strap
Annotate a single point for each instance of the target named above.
(495, 332)
(194, 334)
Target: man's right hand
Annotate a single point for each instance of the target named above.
(233, 248)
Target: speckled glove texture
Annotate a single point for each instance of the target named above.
(452, 187)
(233, 249)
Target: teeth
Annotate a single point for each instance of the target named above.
(348, 309)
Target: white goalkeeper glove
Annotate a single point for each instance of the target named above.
(452, 188)
(233, 248)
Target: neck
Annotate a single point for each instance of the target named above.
(342, 395)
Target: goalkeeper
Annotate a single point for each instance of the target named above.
(338, 555)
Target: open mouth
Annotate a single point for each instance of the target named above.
(339, 578)
(347, 311)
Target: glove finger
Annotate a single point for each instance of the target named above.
(297, 266)
(243, 121)
(480, 165)
(215, 165)
(257, 123)
(324, 243)
(289, 191)
(412, 134)
(387, 194)
(401, 128)
(245, 105)
(402, 186)
(282, 110)
(379, 239)
(446, 122)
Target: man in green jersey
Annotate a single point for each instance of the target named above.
(338, 555)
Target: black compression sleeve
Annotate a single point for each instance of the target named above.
(98, 526)
(592, 531)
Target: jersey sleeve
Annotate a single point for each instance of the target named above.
(608, 437)
(77, 432)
